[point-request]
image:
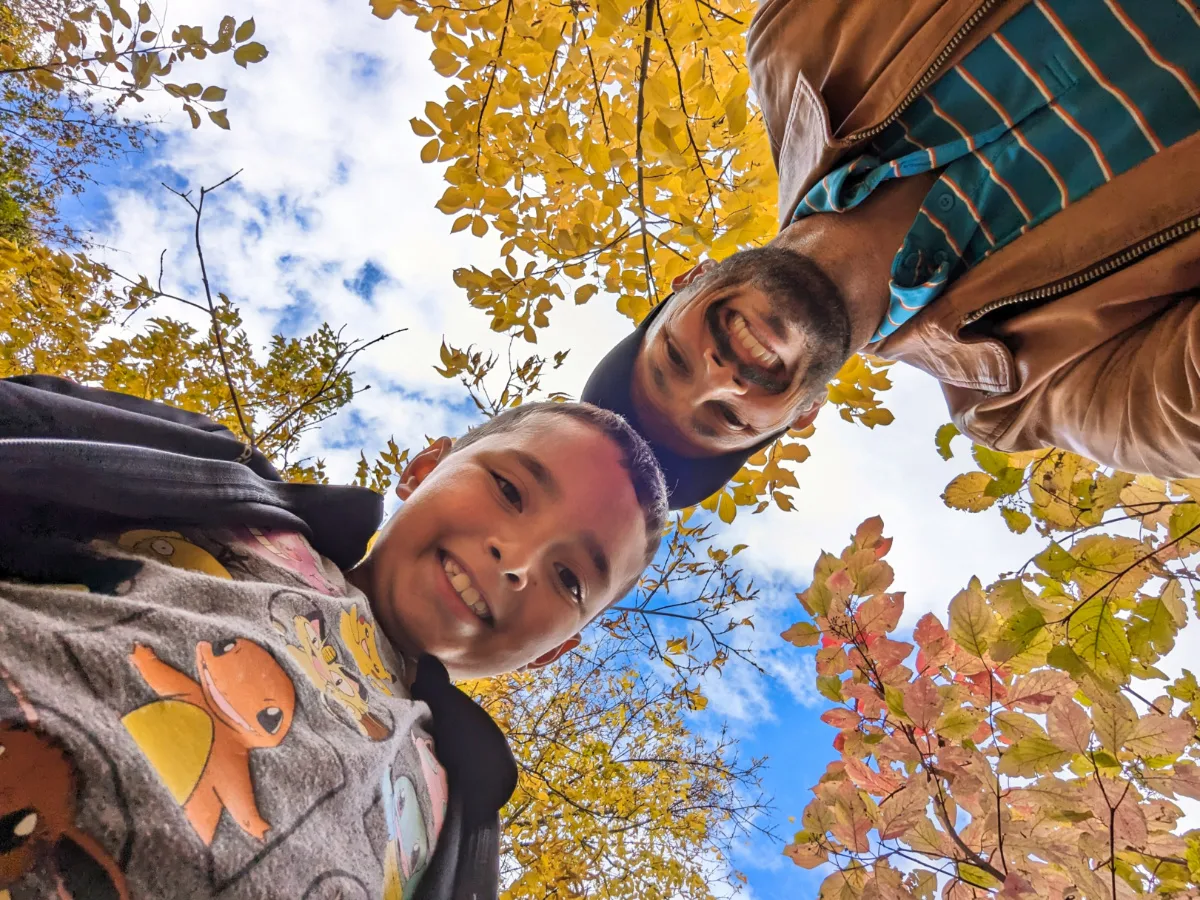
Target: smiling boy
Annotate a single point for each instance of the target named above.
(188, 637)
(515, 537)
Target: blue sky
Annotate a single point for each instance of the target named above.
(332, 219)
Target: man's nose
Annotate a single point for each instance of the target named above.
(514, 563)
(720, 380)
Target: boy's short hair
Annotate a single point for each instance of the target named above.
(636, 457)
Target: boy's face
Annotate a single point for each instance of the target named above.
(505, 549)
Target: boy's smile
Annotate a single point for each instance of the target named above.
(507, 547)
(463, 597)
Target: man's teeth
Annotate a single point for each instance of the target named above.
(461, 582)
(746, 338)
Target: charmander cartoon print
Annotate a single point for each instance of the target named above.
(359, 637)
(172, 548)
(435, 782)
(38, 808)
(199, 734)
(407, 851)
(318, 659)
(288, 550)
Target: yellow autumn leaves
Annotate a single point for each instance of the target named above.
(611, 146)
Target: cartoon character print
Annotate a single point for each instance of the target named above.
(198, 736)
(289, 550)
(38, 806)
(172, 548)
(359, 637)
(435, 782)
(318, 659)
(37, 820)
(408, 849)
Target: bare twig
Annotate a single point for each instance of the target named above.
(641, 163)
(218, 337)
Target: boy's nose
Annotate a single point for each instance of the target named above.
(515, 572)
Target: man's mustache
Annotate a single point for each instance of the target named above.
(772, 383)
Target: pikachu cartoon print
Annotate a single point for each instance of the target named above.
(309, 645)
(360, 638)
(173, 549)
(199, 735)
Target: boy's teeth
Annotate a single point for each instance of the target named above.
(461, 582)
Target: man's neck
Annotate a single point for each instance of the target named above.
(856, 248)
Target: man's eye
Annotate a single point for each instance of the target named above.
(509, 490)
(731, 417)
(571, 582)
(674, 355)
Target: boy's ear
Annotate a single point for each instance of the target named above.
(702, 268)
(421, 465)
(551, 655)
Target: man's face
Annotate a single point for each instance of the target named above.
(720, 369)
(508, 547)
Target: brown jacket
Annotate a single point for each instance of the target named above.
(1082, 334)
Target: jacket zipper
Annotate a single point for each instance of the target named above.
(930, 73)
(1099, 270)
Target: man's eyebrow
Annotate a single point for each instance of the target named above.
(598, 556)
(539, 472)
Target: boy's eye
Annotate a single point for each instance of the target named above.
(509, 490)
(571, 582)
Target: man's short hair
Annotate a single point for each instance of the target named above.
(636, 457)
(814, 300)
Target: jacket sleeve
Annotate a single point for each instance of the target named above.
(1133, 402)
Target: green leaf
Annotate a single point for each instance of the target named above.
(1018, 633)
(942, 439)
(959, 723)
(1031, 755)
(1099, 639)
(245, 31)
(213, 94)
(1055, 561)
(249, 53)
(830, 687)
(991, 461)
(1007, 483)
(1017, 521)
(977, 877)
(220, 117)
(1184, 526)
(894, 698)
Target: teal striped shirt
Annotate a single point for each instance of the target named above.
(1065, 96)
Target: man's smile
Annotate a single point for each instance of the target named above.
(745, 345)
